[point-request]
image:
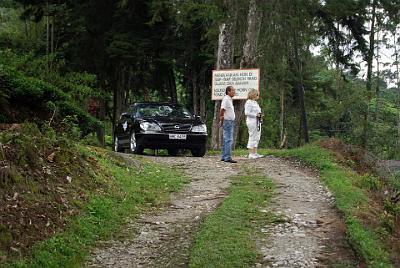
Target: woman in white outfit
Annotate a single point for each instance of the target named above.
(253, 115)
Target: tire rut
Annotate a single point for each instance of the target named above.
(162, 238)
(310, 232)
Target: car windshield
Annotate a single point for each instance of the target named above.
(162, 110)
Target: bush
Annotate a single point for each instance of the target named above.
(28, 98)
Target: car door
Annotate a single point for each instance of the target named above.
(123, 127)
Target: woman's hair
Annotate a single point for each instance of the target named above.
(252, 95)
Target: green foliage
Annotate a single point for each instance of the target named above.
(387, 220)
(30, 145)
(365, 242)
(92, 50)
(35, 98)
(392, 208)
(369, 182)
(5, 236)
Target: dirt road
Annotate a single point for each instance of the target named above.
(311, 234)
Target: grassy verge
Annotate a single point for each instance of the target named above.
(351, 200)
(130, 190)
(225, 237)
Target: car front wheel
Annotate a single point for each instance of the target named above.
(134, 147)
(116, 145)
(199, 152)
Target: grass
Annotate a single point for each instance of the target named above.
(225, 238)
(130, 191)
(351, 200)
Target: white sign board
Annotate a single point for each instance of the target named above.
(241, 79)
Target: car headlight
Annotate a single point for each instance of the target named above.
(148, 126)
(199, 128)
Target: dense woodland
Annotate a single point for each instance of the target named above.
(329, 68)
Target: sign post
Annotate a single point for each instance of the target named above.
(241, 79)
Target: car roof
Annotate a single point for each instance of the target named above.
(155, 103)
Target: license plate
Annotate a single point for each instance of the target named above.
(177, 136)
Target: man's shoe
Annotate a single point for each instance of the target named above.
(230, 161)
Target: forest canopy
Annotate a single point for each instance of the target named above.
(328, 68)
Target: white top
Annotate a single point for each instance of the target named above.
(251, 109)
(227, 105)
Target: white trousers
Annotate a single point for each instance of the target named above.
(254, 134)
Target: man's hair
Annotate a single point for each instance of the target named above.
(228, 89)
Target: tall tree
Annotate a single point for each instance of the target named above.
(224, 61)
(369, 59)
(248, 60)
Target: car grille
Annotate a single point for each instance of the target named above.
(177, 128)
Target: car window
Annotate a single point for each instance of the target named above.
(131, 110)
(163, 110)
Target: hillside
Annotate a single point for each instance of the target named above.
(56, 200)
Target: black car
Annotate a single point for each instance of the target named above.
(160, 126)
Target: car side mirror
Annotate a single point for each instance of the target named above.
(125, 115)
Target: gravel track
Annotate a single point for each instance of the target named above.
(310, 234)
(162, 238)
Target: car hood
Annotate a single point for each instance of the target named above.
(163, 120)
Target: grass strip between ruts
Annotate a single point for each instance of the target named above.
(350, 199)
(130, 191)
(225, 238)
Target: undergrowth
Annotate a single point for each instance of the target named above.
(67, 196)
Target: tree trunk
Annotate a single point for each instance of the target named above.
(303, 114)
(101, 116)
(47, 37)
(196, 97)
(377, 89)
(203, 96)
(224, 61)
(370, 57)
(119, 94)
(299, 87)
(52, 36)
(172, 86)
(51, 43)
(396, 51)
(282, 114)
(254, 19)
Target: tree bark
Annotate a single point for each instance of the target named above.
(224, 61)
(196, 97)
(172, 86)
(396, 52)
(254, 18)
(282, 115)
(203, 95)
(303, 114)
(52, 36)
(101, 116)
(299, 87)
(47, 37)
(119, 94)
(370, 58)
